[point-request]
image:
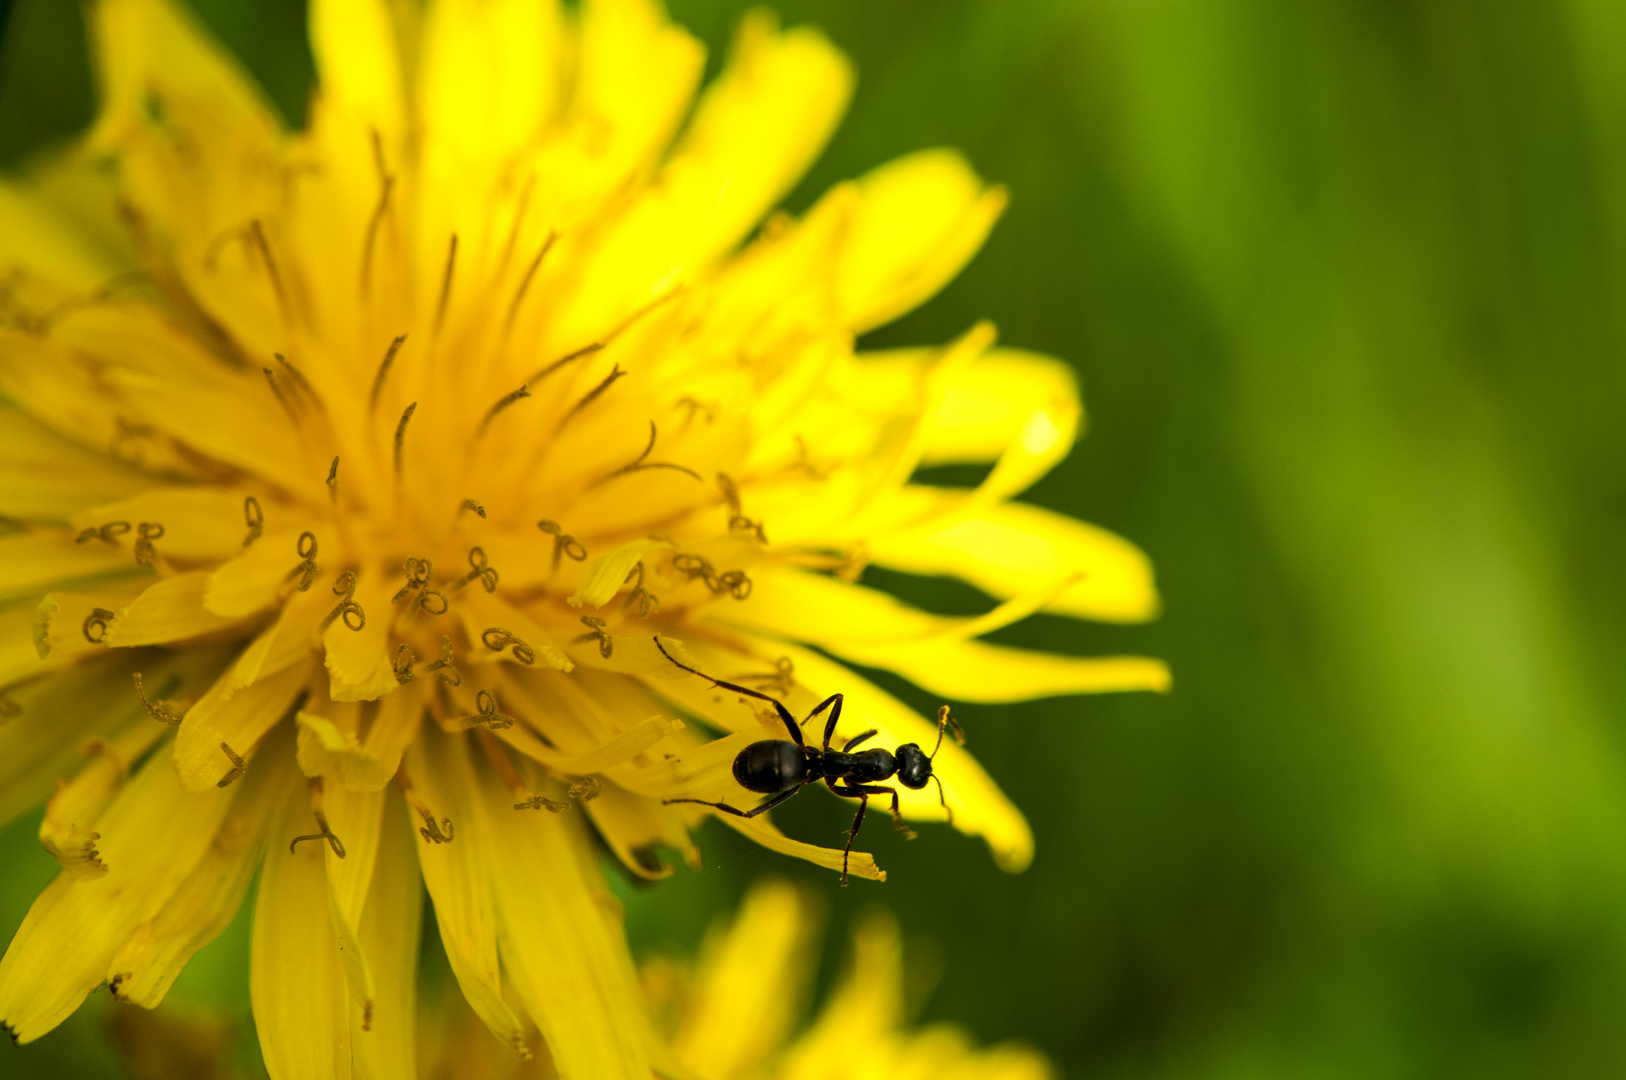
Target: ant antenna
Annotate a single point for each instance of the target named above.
(943, 720)
(682, 665)
(942, 801)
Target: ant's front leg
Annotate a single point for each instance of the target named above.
(727, 809)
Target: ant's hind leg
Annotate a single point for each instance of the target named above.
(727, 809)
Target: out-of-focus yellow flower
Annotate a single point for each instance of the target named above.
(733, 1016)
(370, 459)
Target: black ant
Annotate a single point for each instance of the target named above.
(781, 769)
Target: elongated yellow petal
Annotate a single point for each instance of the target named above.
(354, 817)
(329, 751)
(920, 219)
(768, 947)
(66, 832)
(301, 1005)
(146, 966)
(38, 237)
(152, 836)
(68, 626)
(357, 63)
(569, 965)
(197, 522)
(988, 404)
(32, 562)
(254, 579)
(358, 660)
(47, 477)
(752, 135)
(58, 713)
(490, 82)
(389, 936)
(978, 671)
(635, 826)
(458, 876)
(231, 719)
(760, 829)
(169, 610)
(605, 576)
(1012, 548)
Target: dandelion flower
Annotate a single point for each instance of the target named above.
(351, 473)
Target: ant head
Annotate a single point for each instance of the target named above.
(914, 767)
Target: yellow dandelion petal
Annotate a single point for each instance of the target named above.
(482, 467)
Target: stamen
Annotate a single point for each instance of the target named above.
(147, 532)
(257, 232)
(404, 659)
(585, 788)
(733, 582)
(433, 833)
(326, 834)
(592, 396)
(298, 376)
(255, 519)
(525, 282)
(354, 618)
(333, 477)
(95, 627)
(696, 406)
(570, 357)
(384, 370)
(507, 400)
(477, 569)
(162, 711)
(237, 763)
(497, 639)
(489, 715)
(647, 601)
(737, 521)
(447, 665)
(417, 571)
(305, 571)
(563, 544)
(400, 435)
(104, 533)
(470, 504)
(430, 601)
(373, 225)
(542, 802)
(519, 219)
(446, 283)
(639, 464)
(595, 629)
(282, 398)
(782, 678)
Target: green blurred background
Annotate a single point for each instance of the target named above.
(1343, 281)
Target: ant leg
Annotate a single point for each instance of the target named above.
(727, 809)
(853, 790)
(784, 713)
(856, 739)
(835, 716)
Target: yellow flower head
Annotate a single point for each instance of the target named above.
(361, 468)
